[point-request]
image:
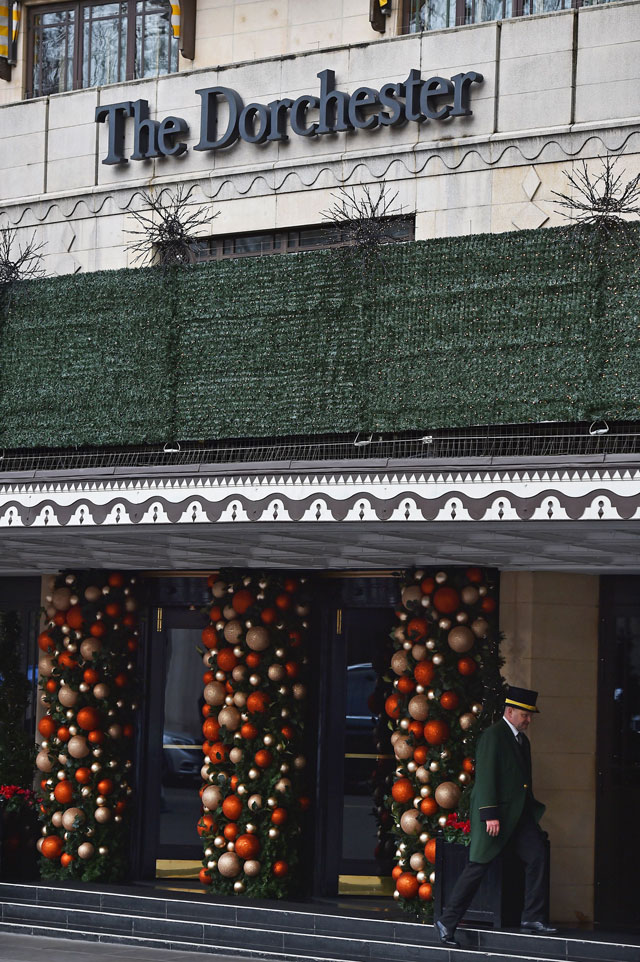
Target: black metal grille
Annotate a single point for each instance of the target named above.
(510, 441)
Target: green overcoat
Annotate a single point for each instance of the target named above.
(502, 789)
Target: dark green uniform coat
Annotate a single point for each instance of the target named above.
(502, 789)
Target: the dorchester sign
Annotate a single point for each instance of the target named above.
(225, 119)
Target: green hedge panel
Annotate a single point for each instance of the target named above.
(488, 329)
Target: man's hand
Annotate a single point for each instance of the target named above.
(493, 826)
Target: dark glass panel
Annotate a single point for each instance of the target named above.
(104, 44)
(53, 52)
(156, 47)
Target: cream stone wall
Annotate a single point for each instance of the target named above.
(558, 89)
(550, 622)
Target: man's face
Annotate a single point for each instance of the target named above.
(519, 718)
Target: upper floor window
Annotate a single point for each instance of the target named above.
(87, 44)
(419, 15)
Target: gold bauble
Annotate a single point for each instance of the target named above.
(254, 803)
(90, 646)
(233, 631)
(56, 819)
(276, 672)
(211, 797)
(410, 822)
(93, 593)
(70, 816)
(229, 865)
(467, 720)
(114, 731)
(229, 717)
(469, 594)
(402, 748)
(219, 589)
(85, 850)
(419, 652)
(257, 639)
(214, 693)
(101, 691)
(447, 794)
(299, 691)
(61, 599)
(67, 696)
(480, 628)
(251, 867)
(43, 762)
(461, 639)
(419, 707)
(411, 596)
(423, 775)
(417, 862)
(399, 663)
(102, 815)
(77, 746)
(46, 665)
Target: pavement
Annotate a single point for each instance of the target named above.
(35, 948)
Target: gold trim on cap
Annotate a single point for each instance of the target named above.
(519, 704)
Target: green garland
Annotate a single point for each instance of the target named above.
(16, 748)
(87, 680)
(519, 327)
(253, 796)
(446, 688)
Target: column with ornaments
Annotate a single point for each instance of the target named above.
(445, 676)
(253, 794)
(88, 686)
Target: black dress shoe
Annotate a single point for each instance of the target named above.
(541, 928)
(446, 935)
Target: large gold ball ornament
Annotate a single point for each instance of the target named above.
(56, 819)
(229, 612)
(411, 596)
(447, 794)
(219, 589)
(92, 593)
(232, 631)
(214, 693)
(402, 748)
(211, 797)
(102, 815)
(236, 755)
(229, 865)
(78, 747)
(419, 707)
(419, 652)
(467, 720)
(461, 639)
(410, 821)
(251, 867)
(89, 647)
(46, 666)
(258, 639)
(230, 718)
(67, 696)
(276, 672)
(399, 663)
(480, 628)
(70, 816)
(469, 594)
(61, 599)
(417, 862)
(85, 850)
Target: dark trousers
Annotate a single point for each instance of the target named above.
(527, 842)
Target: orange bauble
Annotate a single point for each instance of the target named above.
(83, 775)
(268, 616)
(52, 846)
(59, 619)
(64, 734)
(90, 676)
(51, 686)
(113, 609)
(288, 731)
(428, 806)
(407, 885)
(121, 680)
(88, 718)
(65, 660)
(488, 605)
(232, 807)
(474, 575)
(247, 846)
(257, 701)
(304, 802)
(105, 787)
(63, 792)
(417, 629)
(290, 584)
(416, 727)
(230, 832)
(66, 859)
(209, 637)
(204, 877)
(424, 672)
(436, 732)
(467, 765)
(427, 585)
(280, 869)
(430, 851)
(449, 700)
(402, 790)
(97, 629)
(235, 781)
(292, 669)
(279, 816)
(227, 661)
(242, 600)
(467, 666)
(210, 729)
(206, 825)
(249, 731)
(283, 602)
(218, 753)
(263, 758)
(47, 726)
(405, 684)
(396, 872)
(425, 892)
(252, 659)
(96, 737)
(115, 579)
(392, 706)
(421, 753)
(446, 600)
(207, 678)
(45, 643)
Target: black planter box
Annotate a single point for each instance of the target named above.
(19, 832)
(499, 899)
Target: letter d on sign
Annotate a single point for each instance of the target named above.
(209, 139)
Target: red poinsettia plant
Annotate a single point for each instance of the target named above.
(457, 829)
(16, 799)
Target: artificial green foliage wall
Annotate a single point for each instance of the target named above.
(508, 328)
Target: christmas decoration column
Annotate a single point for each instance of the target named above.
(446, 688)
(252, 797)
(87, 682)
